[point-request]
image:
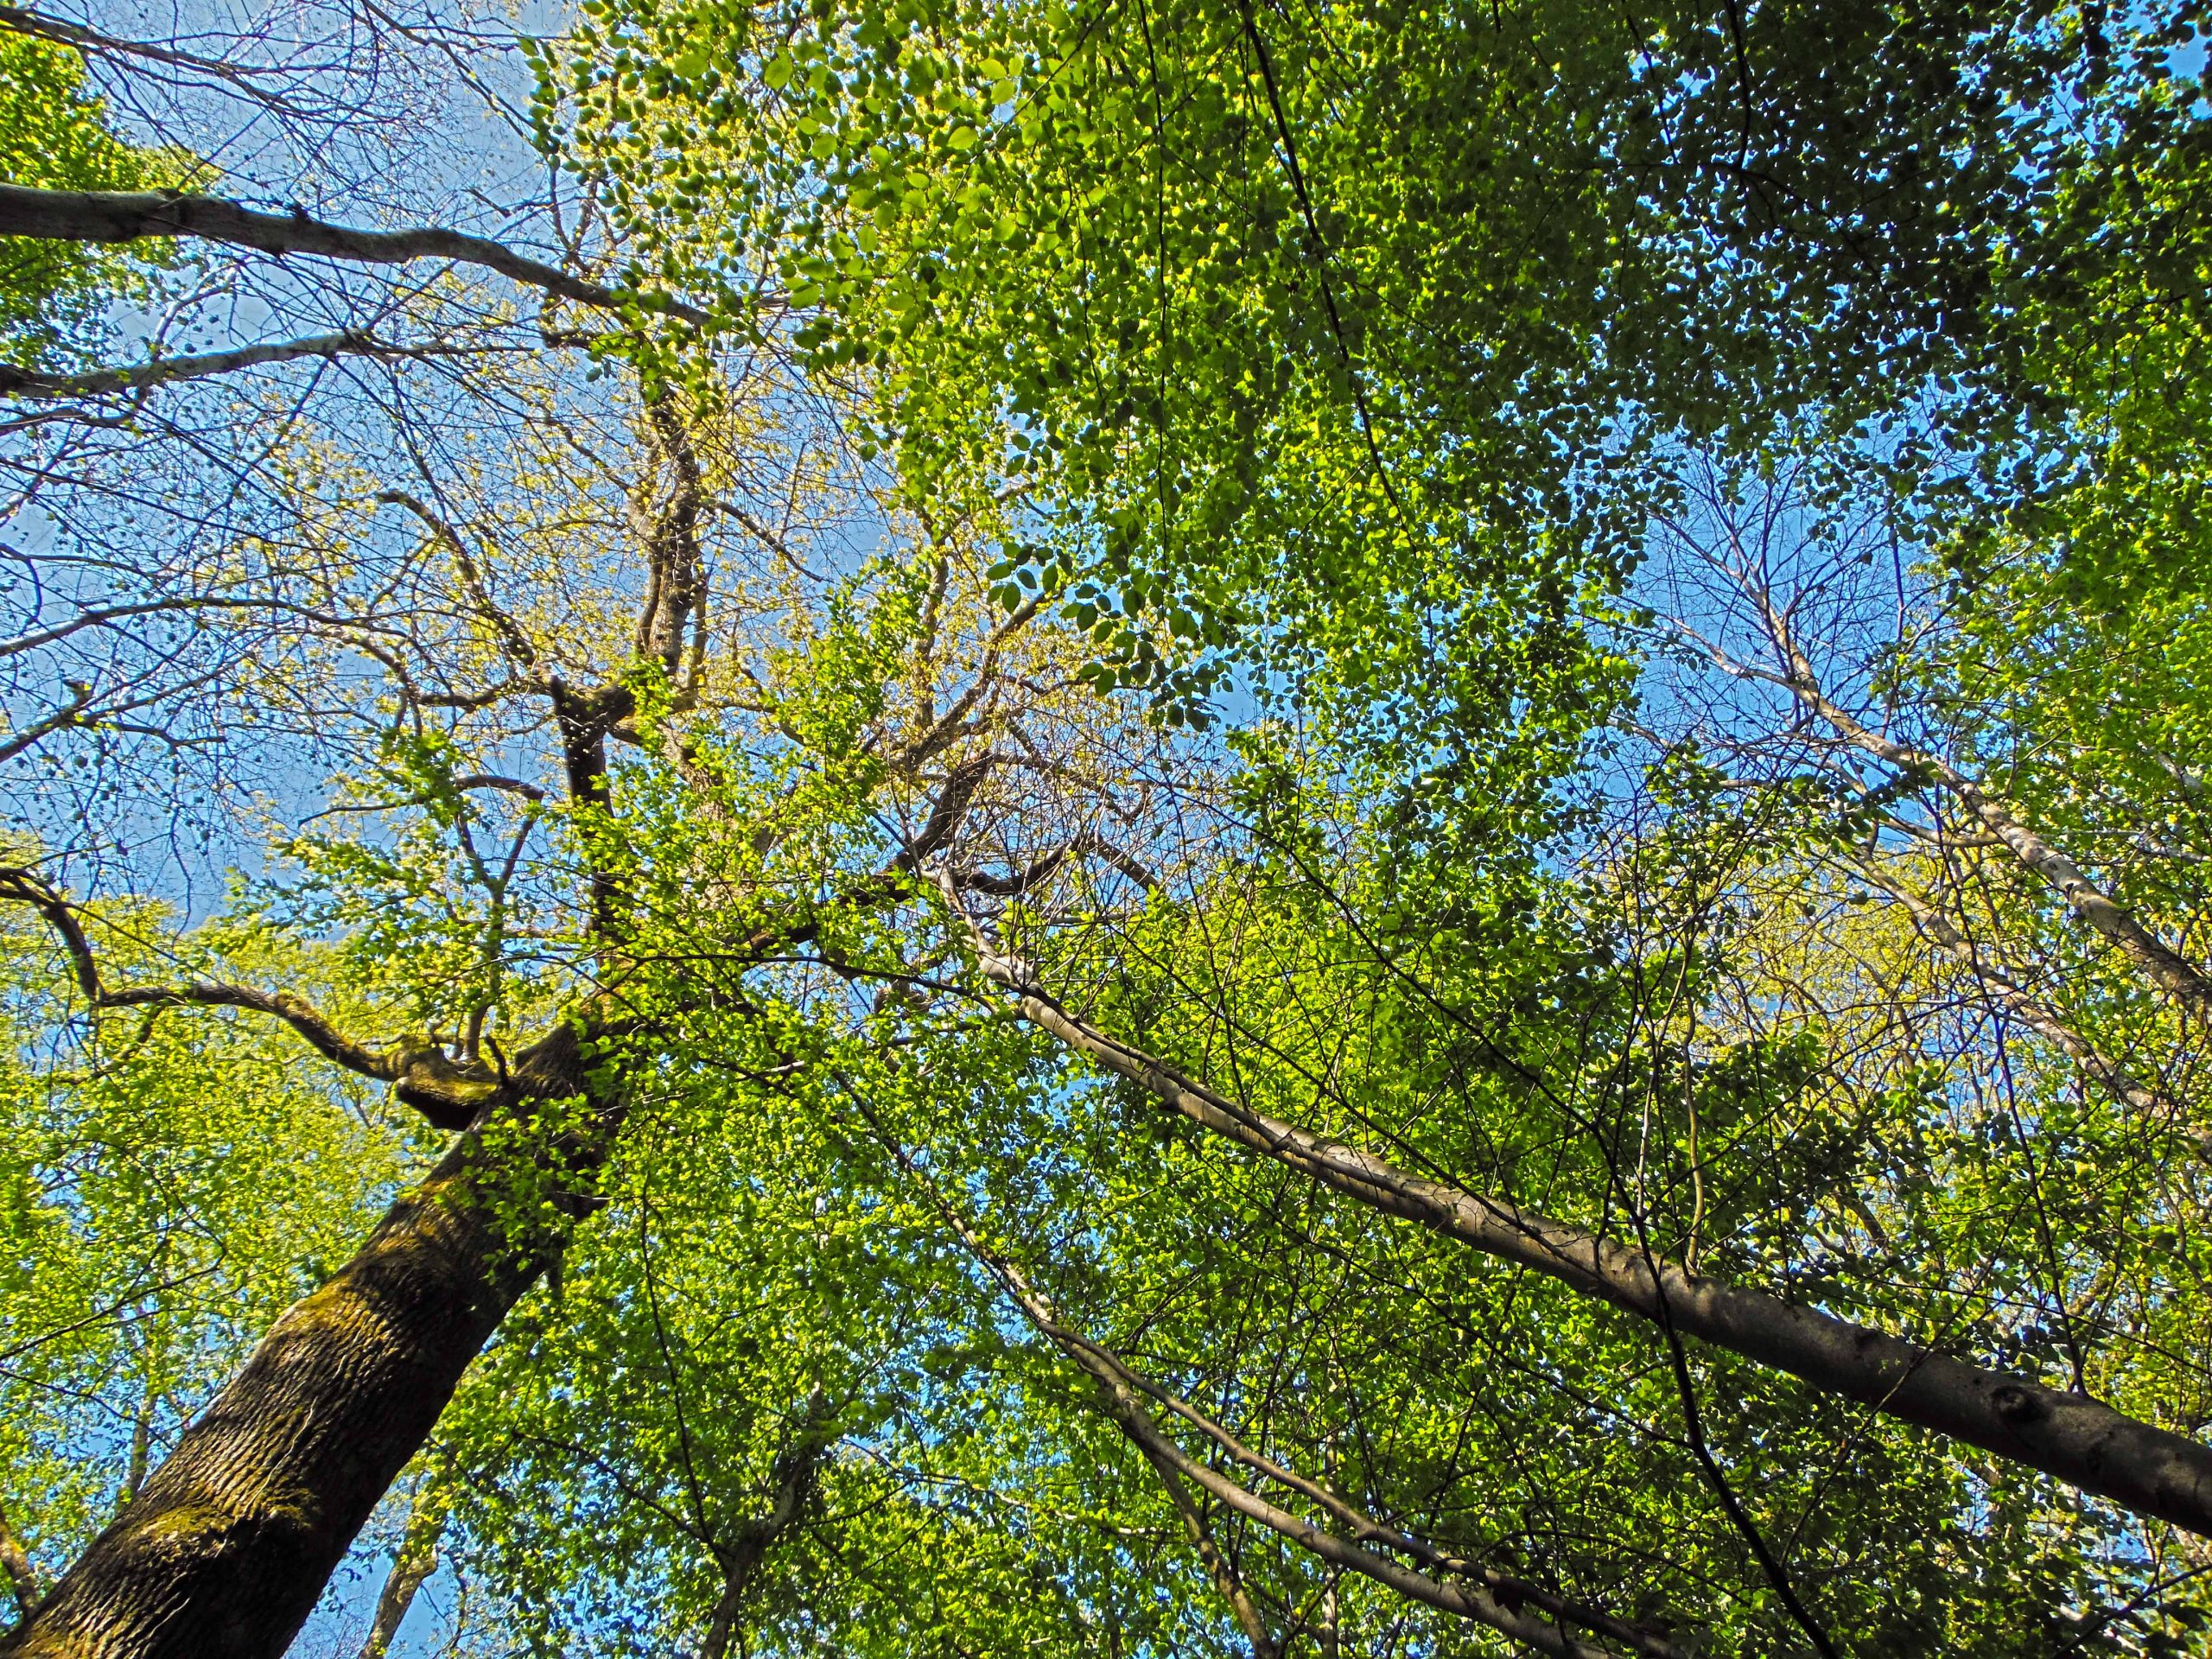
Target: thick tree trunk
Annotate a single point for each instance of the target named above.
(224, 1552)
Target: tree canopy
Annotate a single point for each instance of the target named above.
(946, 830)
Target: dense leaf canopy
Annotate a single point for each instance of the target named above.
(928, 828)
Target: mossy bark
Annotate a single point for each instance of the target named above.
(224, 1552)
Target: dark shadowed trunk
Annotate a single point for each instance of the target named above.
(224, 1552)
(22, 1579)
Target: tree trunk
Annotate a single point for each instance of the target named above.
(795, 1472)
(224, 1552)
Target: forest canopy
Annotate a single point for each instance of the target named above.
(1190, 828)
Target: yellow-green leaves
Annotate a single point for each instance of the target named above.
(55, 134)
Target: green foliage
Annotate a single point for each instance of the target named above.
(1587, 1061)
(1297, 398)
(173, 1182)
(55, 134)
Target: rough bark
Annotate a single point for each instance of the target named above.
(224, 1552)
(108, 216)
(2142, 1468)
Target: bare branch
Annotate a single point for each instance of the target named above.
(2030, 1011)
(669, 527)
(81, 697)
(1015, 882)
(492, 780)
(160, 372)
(511, 634)
(960, 786)
(240, 79)
(109, 216)
(2178, 978)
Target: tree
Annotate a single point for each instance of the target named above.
(1250, 707)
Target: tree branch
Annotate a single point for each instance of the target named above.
(450, 1095)
(160, 372)
(1938, 929)
(411, 1564)
(669, 528)
(1485, 1596)
(511, 634)
(960, 787)
(2145, 1469)
(1218, 1566)
(239, 78)
(22, 1577)
(1016, 882)
(793, 1476)
(81, 697)
(2178, 978)
(109, 216)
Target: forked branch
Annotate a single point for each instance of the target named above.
(2098, 909)
(451, 1096)
(2030, 1010)
(1468, 1590)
